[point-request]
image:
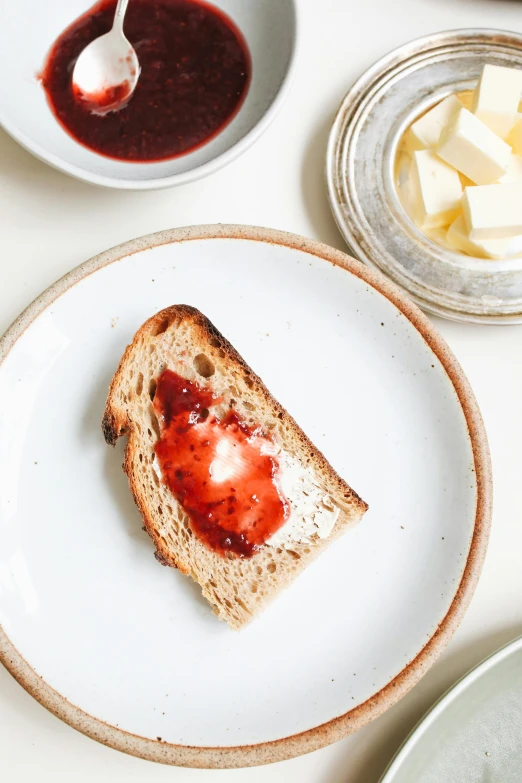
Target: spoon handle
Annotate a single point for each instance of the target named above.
(121, 7)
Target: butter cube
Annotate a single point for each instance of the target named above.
(515, 137)
(497, 97)
(473, 149)
(514, 170)
(436, 190)
(458, 238)
(407, 198)
(493, 211)
(425, 133)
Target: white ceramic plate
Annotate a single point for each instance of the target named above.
(270, 29)
(128, 651)
(474, 733)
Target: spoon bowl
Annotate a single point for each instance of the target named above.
(107, 71)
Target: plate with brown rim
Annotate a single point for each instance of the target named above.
(127, 651)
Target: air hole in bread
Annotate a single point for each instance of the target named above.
(139, 384)
(253, 587)
(294, 554)
(203, 366)
(214, 342)
(234, 391)
(249, 406)
(271, 568)
(152, 388)
(242, 605)
(155, 424)
(160, 511)
(159, 327)
(259, 570)
(141, 457)
(248, 381)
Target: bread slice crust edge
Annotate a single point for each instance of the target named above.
(117, 422)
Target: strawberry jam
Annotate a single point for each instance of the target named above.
(195, 72)
(223, 472)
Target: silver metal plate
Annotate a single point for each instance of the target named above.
(361, 185)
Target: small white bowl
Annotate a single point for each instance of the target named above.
(270, 29)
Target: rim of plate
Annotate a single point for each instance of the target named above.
(440, 705)
(333, 730)
(199, 172)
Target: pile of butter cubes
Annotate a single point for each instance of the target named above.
(465, 175)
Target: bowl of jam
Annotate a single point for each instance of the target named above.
(213, 75)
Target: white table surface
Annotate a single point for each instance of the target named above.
(50, 223)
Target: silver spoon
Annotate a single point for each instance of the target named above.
(107, 71)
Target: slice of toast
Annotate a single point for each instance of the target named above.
(322, 506)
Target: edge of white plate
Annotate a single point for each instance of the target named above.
(192, 175)
(325, 734)
(440, 705)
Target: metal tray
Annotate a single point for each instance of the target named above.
(360, 167)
